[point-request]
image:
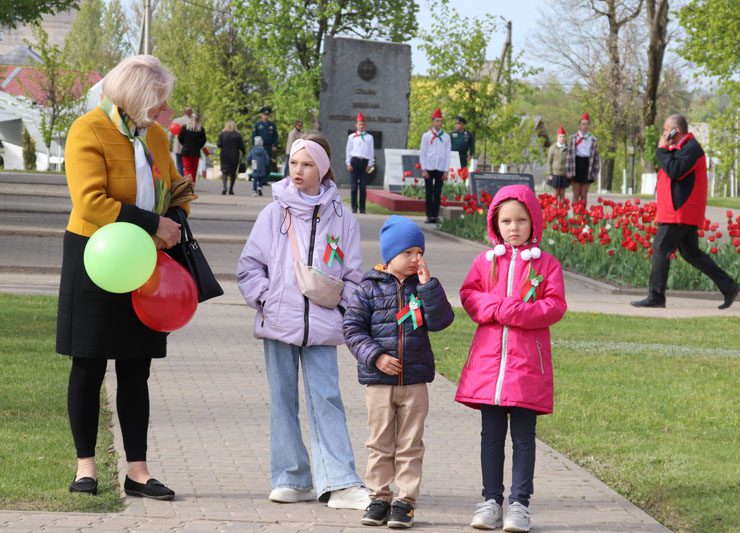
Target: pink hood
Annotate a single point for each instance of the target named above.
(525, 195)
(510, 360)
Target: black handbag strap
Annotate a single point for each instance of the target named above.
(185, 233)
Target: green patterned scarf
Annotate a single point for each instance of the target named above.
(126, 125)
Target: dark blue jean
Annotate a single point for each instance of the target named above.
(496, 421)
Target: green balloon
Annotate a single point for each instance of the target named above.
(120, 257)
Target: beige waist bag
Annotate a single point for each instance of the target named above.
(322, 289)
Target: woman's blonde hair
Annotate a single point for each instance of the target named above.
(230, 126)
(324, 143)
(137, 85)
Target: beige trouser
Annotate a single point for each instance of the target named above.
(395, 415)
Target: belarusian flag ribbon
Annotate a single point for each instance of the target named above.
(333, 250)
(534, 281)
(413, 310)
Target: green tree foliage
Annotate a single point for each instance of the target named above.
(97, 40)
(63, 89)
(29, 150)
(215, 69)
(465, 83)
(288, 38)
(14, 12)
(711, 42)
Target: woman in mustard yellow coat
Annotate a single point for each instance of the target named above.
(118, 169)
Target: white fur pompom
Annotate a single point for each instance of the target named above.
(490, 255)
(536, 252)
(499, 249)
(526, 255)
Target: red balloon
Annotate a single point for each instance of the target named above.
(169, 298)
(175, 128)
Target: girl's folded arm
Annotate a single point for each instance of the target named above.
(480, 304)
(543, 312)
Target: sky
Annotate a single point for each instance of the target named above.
(524, 15)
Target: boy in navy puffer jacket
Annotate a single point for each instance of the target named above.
(386, 328)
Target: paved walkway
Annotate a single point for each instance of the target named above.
(209, 430)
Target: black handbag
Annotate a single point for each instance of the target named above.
(190, 255)
(242, 166)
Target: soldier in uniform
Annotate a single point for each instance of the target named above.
(463, 141)
(267, 129)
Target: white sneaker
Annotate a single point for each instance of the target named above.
(488, 515)
(517, 518)
(290, 495)
(350, 498)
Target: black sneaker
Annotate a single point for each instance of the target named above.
(377, 513)
(402, 516)
(648, 302)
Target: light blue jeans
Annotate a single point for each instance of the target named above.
(333, 459)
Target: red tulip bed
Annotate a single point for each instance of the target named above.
(611, 240)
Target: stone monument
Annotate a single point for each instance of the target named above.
(368, 76)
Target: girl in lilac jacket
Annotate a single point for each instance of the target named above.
(514, 293)
(296, 330)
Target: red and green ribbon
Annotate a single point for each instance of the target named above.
(333, 250)
(436, 135)
(413, 310)
(534, 280)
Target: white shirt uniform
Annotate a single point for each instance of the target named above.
(583, 148)
(362, 148)
(435, 151)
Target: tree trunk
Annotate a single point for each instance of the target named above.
(607, 174)
(658, 25)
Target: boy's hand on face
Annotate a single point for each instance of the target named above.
(388, 365)
(423, 270)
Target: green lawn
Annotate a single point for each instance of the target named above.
(37, 456)
(729, 203)
(650, 406)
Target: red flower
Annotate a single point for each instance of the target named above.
(714, 249)
(736, 241)
(729, 214)
(700, 233)
(610, 252)
(710, 238)
(718, 234)
(457, 197)
(637, 201)
(417, 165)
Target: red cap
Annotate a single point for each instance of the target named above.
(360, 117)
(437, 113)
(561, 130)
(585, 117)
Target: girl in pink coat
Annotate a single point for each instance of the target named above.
(514, 293)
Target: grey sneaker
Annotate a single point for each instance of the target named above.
(487, 515)
(517, 518)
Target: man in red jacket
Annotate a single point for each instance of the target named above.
(682, 200)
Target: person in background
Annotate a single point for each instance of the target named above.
(231, 143)
(556, 166)
(176, 146)
(462, 141)
(192, 137)
(267, 129)
(434, 159)
(682, 202)
(260, 163)
(293, 136)
(360, 160)
(583, 162)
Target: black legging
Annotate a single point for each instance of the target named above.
(132, 402)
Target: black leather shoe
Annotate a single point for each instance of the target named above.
(152, 489)
(429, 221)
(647, 302)
(84, 485)
(730, 297)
